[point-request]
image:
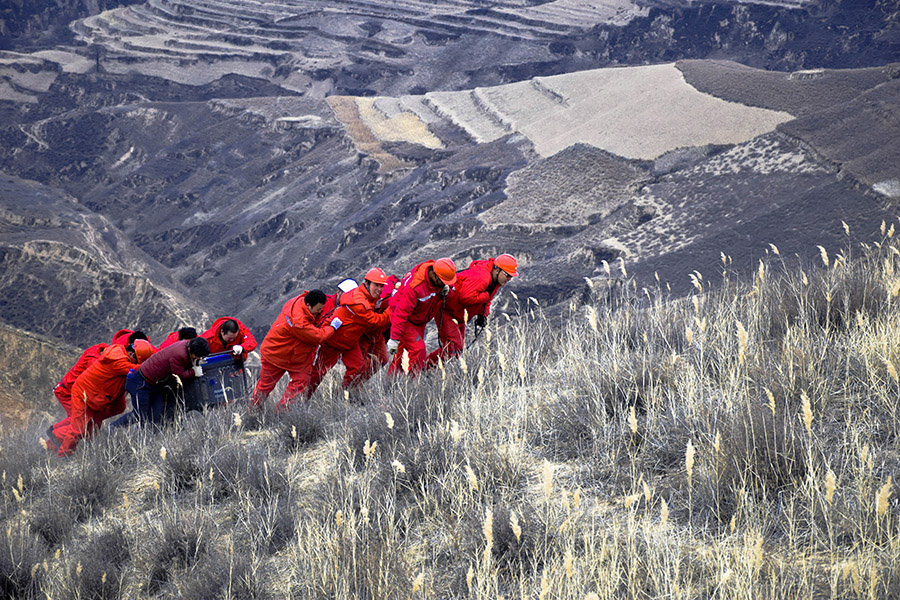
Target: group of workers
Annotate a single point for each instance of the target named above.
(366, 326)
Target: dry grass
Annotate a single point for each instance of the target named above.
(739, 443)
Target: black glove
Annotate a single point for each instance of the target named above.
(479, 320)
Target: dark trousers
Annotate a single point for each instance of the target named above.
(148, 401)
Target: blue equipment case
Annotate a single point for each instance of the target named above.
(223, 381)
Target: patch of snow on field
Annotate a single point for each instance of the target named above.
(890, 188)
(758, 156)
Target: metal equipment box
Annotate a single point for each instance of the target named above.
(223, 381)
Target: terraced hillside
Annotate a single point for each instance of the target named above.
(295, 43)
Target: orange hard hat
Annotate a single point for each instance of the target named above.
(376, 275)
(445, 270)
(508, 263)
(142, 350)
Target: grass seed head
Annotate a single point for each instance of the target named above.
(514, 525)
(470, 476)
(884, 494)
(592, 319)
(806, 408)
(548, 479)
(824, 254)
(487, 529)
(418, 582)
(689, 459)
(830, 486)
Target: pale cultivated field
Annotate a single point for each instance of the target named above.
(582, 13)
(461, 109)
(70, 62)
(7, 92)
(633, 112)
(400, 127)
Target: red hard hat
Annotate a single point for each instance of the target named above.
(376, 275)
(445, 270)
(142, 350)
(508, 263)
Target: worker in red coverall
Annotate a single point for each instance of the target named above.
(63, 389)
(126, 337)
(416, 303)
(150, 384)
(229, 334)
(185, 333)
(373, 344)
(470, 300)
(99, 393)
(359, 313)
(290, 347)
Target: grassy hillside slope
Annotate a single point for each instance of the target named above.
(739, 443)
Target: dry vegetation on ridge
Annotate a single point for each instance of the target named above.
(742, 443)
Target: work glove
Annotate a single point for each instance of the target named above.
(336, 323)
(237, 349)
(479, 320)
(198, 371)
(392, 346)
(444, 291)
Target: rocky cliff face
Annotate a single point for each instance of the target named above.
(27, 381)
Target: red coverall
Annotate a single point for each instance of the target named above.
(472, 295)
(414, 304)
(373, 345)
(170, 339)
(63, 389)
(97, 394)
(289, 347)
(244, 338)
(358, 317)
(121, 336)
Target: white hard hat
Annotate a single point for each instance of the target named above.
(347, 285)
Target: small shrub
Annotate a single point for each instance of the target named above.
(79, 494)
(301, 425)
(238, 468)
(222, 575)
(180, 543)
(95, 572)
(21, 554)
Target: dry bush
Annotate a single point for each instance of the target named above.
(301, 425)
(21, 464)
(21, 554)
(80, 493)
(248, 469)
(268, 527)
(182, 539)
(95, 571)
(222, 575)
